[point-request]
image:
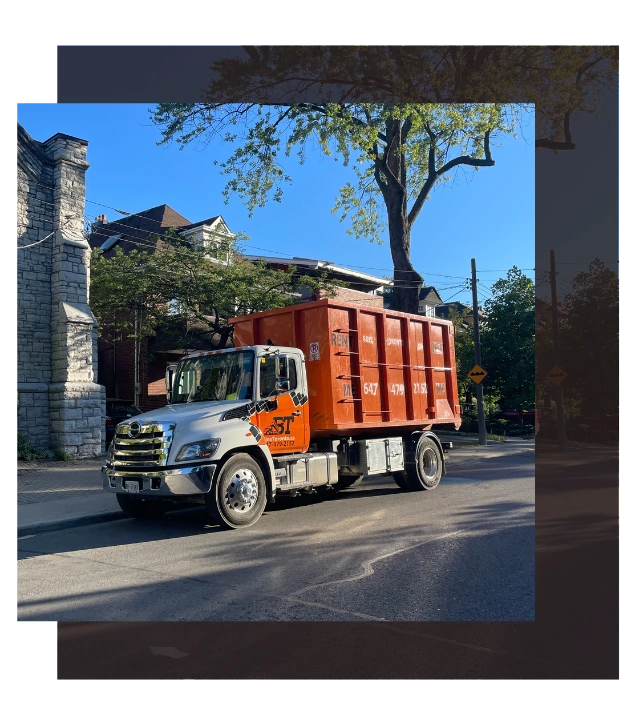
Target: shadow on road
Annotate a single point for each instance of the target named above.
(429, 574)
(191, 522)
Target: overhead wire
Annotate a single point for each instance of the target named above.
(141, 241)
(251, 246)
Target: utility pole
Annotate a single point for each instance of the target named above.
(562, 435)
(481, 414)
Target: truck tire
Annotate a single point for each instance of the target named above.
(401, 479)
(347, 481)
(423, 471)
(137, 508)
(239, 494)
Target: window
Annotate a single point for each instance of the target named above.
(109, 243)
(218, 251)
(268, 375)
(175, 307)
(225, 376)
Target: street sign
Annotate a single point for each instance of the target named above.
(477, 374)
(556, 375)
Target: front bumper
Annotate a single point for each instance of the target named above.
(190, 481)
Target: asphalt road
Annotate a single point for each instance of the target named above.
(463, 552)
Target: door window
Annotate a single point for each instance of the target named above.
(268, 376)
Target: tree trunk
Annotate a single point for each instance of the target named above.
(225, 336)
(407, 282)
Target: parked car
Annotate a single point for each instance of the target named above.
(117, 411)
(512, 416)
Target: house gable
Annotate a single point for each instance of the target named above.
(214, 235)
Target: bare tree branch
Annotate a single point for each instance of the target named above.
(432, 177)
(377, 170)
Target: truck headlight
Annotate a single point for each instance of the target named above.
(200, 449)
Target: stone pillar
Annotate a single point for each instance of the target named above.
(34, 257)
(77, 403)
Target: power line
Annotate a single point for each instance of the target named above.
(141, 241)
(462, 289)
(249, 246)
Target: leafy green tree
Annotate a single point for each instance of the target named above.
(589, 340)
(464, 353)
(400, 154)
(507, 341)
(303, 80)
(139, 293)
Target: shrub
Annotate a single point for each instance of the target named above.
(25, 450)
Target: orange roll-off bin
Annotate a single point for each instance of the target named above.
(366, 367)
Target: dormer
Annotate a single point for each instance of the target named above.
(213, 235)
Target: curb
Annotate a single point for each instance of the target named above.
(69, 523)
(473, 454)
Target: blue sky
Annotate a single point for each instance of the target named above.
(487, 214)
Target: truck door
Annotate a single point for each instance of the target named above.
(285, 428)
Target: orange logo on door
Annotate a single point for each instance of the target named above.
(284, 427)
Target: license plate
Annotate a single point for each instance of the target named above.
(133, 486)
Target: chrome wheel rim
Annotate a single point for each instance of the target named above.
(241, 493)
(429, 464)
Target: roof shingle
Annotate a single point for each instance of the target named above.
(136, 229)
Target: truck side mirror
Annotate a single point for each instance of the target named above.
(168, 380)
(282, 368)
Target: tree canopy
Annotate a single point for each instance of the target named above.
(179, 280)
(399, 152)
(464, 351)
(507, 341)
(350, 90)
(589, 338)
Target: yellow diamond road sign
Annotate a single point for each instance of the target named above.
(556, 375)
(477, 374)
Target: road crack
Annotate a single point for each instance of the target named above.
(367, 566)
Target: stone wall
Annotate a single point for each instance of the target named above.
(61, 409)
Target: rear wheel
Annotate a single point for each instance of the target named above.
(239, 495)
(424, 468)
(401, 479)
(141, 509)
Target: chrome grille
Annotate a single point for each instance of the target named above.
(142, 446)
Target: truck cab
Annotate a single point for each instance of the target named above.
(249, 400)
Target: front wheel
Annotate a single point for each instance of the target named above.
(239, 495)
(139, 509)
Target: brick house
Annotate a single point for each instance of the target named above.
(142, 231)
(117, 371)
(62, 408)
(358, 287)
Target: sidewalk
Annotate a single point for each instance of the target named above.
(60, 494)
(468, 449)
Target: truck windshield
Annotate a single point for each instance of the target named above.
(226, 376)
